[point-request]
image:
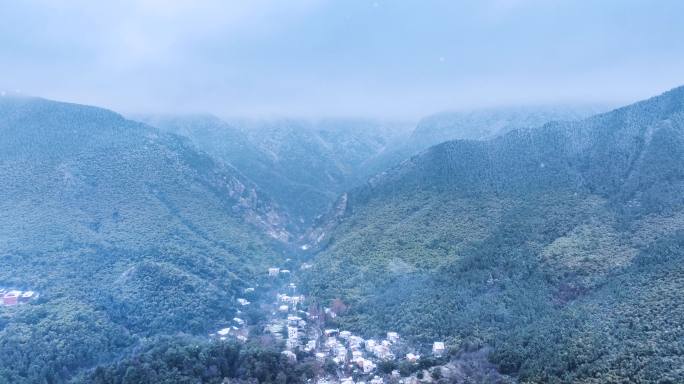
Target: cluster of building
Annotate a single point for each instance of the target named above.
(287, 303)
(347, 349)
(16, 297)
(301, 331)
(296, 327)
(237, 329)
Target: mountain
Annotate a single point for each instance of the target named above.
(556, 252)
(476, 124)
(482, 124)
(306, 164)
(303, 165)
(123, 231)
(560, 249)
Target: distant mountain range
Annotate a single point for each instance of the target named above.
(560, 248)
(483, 124)
(478, 124)
(303, 165)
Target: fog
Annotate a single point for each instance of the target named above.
(311, 58)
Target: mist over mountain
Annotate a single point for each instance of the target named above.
(489, 123)
(306, 164)
(341, 192)
(302, 164)
(477, 124)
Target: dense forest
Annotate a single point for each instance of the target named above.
(124, 232)
(569, 233)
(173, 360)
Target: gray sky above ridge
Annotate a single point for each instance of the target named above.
(402, 59)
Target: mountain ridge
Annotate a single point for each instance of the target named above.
(126, 233)
(568, 138)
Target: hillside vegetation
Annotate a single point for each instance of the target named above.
(558, 247)
(303, 165)
(125, 232)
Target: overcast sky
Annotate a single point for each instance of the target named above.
(401, 58)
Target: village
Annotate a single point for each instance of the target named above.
(346, 357)
(12, 297)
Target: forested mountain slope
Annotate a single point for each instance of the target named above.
(559, 247)
(477, 124)
(123, 231)
(304, 165)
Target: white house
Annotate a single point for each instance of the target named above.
(438, 348)
(283, 298)
(290, 355)
(355, 342)
(331, 343)
(310, 346)
(368, 366)
(292, 333)
(273, 271)
(238, 321)
(330, 313)
(382, 352)
(392, 337)
(342, 354)
(412, 358)
(243, 302)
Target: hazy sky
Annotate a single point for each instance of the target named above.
(399, 58)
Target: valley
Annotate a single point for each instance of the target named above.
(341, 192)
(333, 252)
